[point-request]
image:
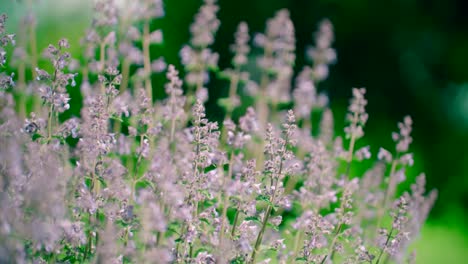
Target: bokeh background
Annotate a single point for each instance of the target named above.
(411, 55)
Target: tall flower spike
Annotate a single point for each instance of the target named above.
(6, 81)
(198, 58)
(147, 9)
(305, 95)
(279, 45)
(106, 13)
(205, 25)
(5, 39)
(174, 105)
(322, 54)
(241, 47)
(326, 126)
(403, 140)
(357, 116)
(280, 162)
(236, 75)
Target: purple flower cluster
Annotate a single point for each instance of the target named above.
(138, 180)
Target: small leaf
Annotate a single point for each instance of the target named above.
(36, 136)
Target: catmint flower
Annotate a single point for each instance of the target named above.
(121, 103)
(276, 221)
(70, 128)
(279, 40)
(322, 54)
(6, 81)
(407, 159)
(235, 138)
(279, 46)
(305, 95)
(153, 218)
(158, 65)
(364, 255)
(241, 47)
(205, 25)
(156, 37)
(174, 105)
(198, 58)
(132, 131)
(146, 9)
(2, 58)
(144, 150)
(326, 126)
(357, 116)
(403, 139)
(63, 43)
(385, 155)
(249, 123)
(74, 232)
(363, 153)
(131, 53)
(42, 75)
(60, 102)
(161, 186)
(53, 87)
(3, 18)
(106, 13)
(5, 39)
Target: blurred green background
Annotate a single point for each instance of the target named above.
(412, 56)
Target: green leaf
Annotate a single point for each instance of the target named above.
(272, 226)
(142, 184)
(254, 219)
(36, 136)
(238, 260)
(210, 168)
(264, 198)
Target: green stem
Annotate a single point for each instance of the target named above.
(225, 202)
(274, 181)
(147, 59)
(262, 113)
(332, 245)
(258, 242)
(233, 91)
(33, 48)
(135, 177)
(296, 243)
(387, 195)
(236, 218)
(385, 246)
(102, 58)
(49, 122)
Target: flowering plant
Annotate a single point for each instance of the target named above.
(137, 180)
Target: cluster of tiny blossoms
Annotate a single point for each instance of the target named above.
(137, 180)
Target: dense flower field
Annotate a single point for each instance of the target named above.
(139, 180)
